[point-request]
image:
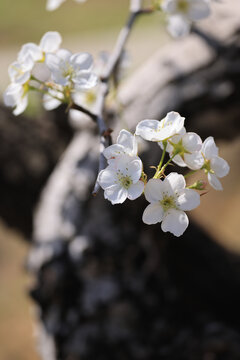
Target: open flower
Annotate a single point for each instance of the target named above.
(126, 144)
(214, 166)
(182, 13)
(121, 179)
(154, 130)
(67, 69)
(187, 146)
(54, 4)
(168, 201)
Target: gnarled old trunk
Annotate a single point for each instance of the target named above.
(109, 286)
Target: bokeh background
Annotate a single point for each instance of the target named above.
(90, 27)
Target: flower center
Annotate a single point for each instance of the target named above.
(125, 181)
(207, 167)
(183, 6)
(168, 202)
(90, 97)
(68, 70)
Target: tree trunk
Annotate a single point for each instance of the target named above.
(109, 286)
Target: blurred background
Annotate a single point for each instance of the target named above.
(91, 27)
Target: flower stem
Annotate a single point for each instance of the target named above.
(161, 171)
(161, 161)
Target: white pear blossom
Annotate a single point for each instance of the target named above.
(182, 13)
(126, 144)
(121, 179)
(169, 199)
(154, 130)
(188, 147)
(54, 4)
(67, 69)
(49, 43)
(215, 166)
(16, 96)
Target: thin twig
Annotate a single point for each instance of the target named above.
(85, 111)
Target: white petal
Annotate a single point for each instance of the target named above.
(134, 169)
(175, 221)
(152, 214)
(188, 200)
(214, 182)
(18, 73)
(174, 119)
(116, 194)
(32, 50)
(53, 62)
(82, 61)
(209, 148)
(135, 190)
(154, 190)
(127, 140)
(219, 166)
(21, 106)
(13, 94)
(179, 161)
(194, 161)
(192, 142)
(64, 54)
(50, 103)
(85, 80)
(107, 178)
(199, 9)
(171, 125)
(148, 129)
(50, 41)
(56, 66)
(53, 4)
(178, 26)
(176, 181)
(113, 151)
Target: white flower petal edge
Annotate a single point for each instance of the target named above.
(50, 42)
(126, 144)
(153, 214)
(175, 221)
(154, 130)
(168, 201)
(215, 166)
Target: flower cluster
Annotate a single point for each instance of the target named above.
(169, 196)
(182, 13)
(54, 4)
(66, 74)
